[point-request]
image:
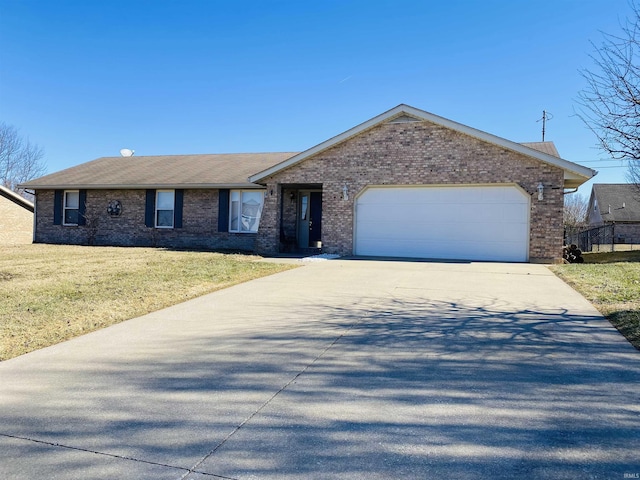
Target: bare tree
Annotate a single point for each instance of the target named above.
(610, 103)
(575, 212)
(20, 160)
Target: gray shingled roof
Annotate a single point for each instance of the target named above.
(616, 195)
(237, 169)
(545, 147)
(162, 171)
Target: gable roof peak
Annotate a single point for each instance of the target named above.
(574, 174)
(618, 202)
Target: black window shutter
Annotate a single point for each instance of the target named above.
(57, 206)
(82, 207)
(177, 208)
(150, 209)
(223, 210)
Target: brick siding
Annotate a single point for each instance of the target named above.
(418, 153)
(199, 223)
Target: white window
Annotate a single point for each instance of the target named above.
(165, 201)
(71, 207)
(245, 208)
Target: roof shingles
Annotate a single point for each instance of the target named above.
(545, 147)
(163, 171)
(623, 198)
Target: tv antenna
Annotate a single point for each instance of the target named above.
(125, 152)
(545, 117)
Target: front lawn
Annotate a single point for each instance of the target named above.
(51, 293)
(611, 281)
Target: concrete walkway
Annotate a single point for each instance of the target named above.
(339, 369)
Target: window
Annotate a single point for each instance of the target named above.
(165, 201)
(71, 207)
(245, 208)
(304, 207)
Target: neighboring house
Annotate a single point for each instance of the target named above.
(616, 204)
(405, 183)
(16, 218)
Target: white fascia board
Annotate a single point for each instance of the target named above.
(581, 174)
(566, 165)
(245, 186)
(327, 144)
(15, 198)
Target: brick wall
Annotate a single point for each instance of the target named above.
(199, 223)
(289, 217)
(16, 223)
(420, 153)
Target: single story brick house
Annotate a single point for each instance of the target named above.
(616, 204)
(404, 183)
(16, 218)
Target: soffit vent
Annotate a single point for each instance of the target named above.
(404, 119)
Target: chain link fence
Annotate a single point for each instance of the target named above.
(603, 239)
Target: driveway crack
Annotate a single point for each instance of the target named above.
(269, 400)
(112, 455)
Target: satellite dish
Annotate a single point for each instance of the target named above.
(125, 152)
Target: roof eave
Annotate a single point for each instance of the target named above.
(327, 144)
(575, 174)
(573, 180)
(17, 199)
(138, 186)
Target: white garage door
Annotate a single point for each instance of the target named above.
(470, 222)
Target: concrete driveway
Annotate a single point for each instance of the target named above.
(339, 369)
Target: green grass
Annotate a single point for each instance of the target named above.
(51, 293)
(612, 257)
(611, 281)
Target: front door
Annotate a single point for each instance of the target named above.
(309, 219)
(315, 220)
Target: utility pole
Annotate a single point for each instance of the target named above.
(545, 116)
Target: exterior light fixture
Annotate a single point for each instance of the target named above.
(345, 192)
(540, 191)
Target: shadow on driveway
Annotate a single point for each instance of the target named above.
(400, 386)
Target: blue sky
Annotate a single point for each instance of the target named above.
(84, 79)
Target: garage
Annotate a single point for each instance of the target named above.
(445, 222)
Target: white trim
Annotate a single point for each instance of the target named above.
(155, 211)
(138, 186)
(64, 208)
(443, 185)
(18, 199)
(260, 209)
(576, 174)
